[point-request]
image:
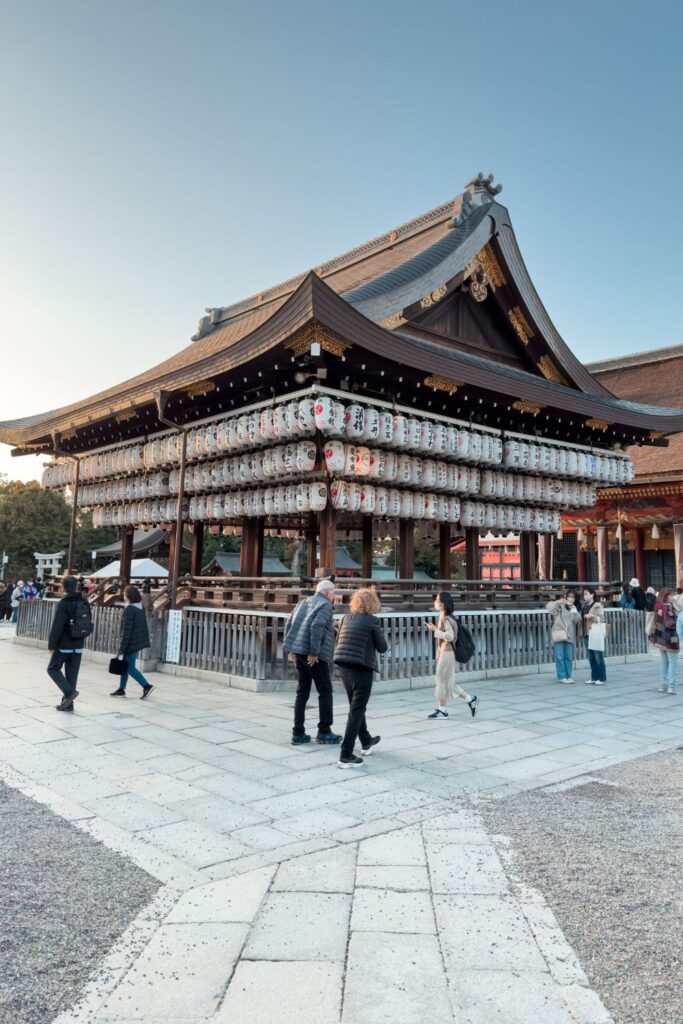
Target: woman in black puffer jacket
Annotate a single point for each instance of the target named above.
(360, 637)
(134, 638)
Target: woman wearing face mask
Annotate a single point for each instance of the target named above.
(593, 613)
(565, 633)
(446, 632)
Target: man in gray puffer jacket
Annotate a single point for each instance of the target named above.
(309, 642)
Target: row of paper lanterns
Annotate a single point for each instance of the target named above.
(362, 425)
(349, 462)
(344, 495)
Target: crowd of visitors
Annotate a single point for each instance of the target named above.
(314, 643)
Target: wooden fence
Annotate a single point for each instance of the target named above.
(249, 643)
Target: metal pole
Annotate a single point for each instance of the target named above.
(74, 514)
(179, 521)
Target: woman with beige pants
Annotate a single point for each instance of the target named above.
(446, 632)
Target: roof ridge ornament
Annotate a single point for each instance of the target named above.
(479, 191)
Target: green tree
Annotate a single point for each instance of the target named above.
(31, 519)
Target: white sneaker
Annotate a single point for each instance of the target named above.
(589, 682)
(599, 682)
(663, 688)
(673, 690)
(570, 681)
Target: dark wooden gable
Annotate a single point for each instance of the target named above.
(477, 327)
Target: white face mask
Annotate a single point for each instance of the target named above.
(588, 597)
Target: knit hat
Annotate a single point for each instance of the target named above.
(651, 590)
(634, 582)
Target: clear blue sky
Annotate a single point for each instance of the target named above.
(159, 157)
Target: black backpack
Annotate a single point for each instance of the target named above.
(464, 644)
(79, 623)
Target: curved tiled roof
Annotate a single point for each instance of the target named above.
(350, 295)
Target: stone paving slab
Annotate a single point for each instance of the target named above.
(317, 882)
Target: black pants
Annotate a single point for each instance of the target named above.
(358, 685)
(309, 674)
(66, 680)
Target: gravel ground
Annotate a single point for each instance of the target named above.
(64, 900)
(608, 857)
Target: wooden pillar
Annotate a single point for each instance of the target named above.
(543, 542)
(126, 554)
(444, 551)
(171, 552)
(639, 551)
(581, 564)
(328, 539)
(526, 556)
(70, 567)
(472, 556)
(603, 555)
(174, 564)
(197, 549)
(259, 530)
(678, 552)
(406, 549)
(366, 556)
(311, 550)
(247, 551)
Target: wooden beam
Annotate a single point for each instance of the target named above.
(311, 550)
(126, 554)
(472, 555)
(328, 538)
(527, 560)
(444, 551)
(247, 549)
(603, 555)
(581, 564)
(641, 561)
(366, 556)
(406, 549)
(197, 549)
(259, 530)
(544, 569)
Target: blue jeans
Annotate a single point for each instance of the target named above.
(132, 671)
(668, 668)
(564, 658)
(596, 660)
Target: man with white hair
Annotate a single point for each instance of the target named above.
(309, 642)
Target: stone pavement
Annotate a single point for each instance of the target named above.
(293, 891)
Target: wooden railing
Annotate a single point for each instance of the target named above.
(281, 594)
(249, 643)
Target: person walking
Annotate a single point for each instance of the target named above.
(638, 594)
(72, 623)
(134, 638)
(309, 643)
(667, 638)
(17, 598)
(360, 639)
(593, 616)
(6, 603)
(626, 598)
(565, 633)
(446, 632)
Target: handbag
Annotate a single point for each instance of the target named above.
(118, 667)
(559, 635)
(597, 636)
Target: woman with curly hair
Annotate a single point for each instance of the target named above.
(360, 638)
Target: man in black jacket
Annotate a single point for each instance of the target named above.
(66, 649)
